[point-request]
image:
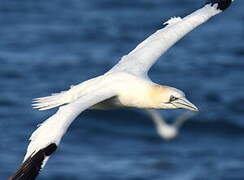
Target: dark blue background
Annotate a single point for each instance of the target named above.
(46, 46)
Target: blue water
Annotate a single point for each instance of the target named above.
(46, 46)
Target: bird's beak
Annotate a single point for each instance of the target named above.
(185, 104)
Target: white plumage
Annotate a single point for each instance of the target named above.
(125, 85)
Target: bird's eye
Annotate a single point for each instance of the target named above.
(173, 98)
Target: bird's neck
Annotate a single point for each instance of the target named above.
(156, 96)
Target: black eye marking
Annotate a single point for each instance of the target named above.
(173, 98)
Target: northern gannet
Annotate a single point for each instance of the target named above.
(125, 85)
(165, 130)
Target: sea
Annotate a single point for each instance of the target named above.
(47, 46)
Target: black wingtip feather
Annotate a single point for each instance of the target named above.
(30, 169)
(222, 4)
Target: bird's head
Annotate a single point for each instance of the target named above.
(172, 98)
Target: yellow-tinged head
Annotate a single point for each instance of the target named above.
(166, 97)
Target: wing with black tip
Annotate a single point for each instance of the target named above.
(46, 138)
(140, 60)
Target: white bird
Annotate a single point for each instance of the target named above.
(125, 85)
(165, 130)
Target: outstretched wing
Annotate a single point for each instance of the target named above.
(46, 138)
(140, 60)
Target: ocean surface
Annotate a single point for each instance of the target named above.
(46, 46)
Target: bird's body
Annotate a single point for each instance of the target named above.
(126, 85)
(131, 91)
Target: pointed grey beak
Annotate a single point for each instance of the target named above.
(185, 104)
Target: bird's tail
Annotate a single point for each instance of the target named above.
(65, 97)
(55, 100)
